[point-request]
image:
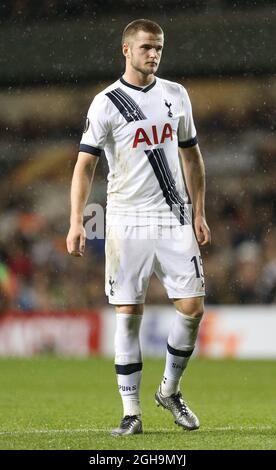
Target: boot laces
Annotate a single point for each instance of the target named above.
(180, 404)
(128, 421)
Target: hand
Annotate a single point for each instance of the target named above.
(202, 231)
(76, 240)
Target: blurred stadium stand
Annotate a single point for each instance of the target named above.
(78, 41)
(55, 56)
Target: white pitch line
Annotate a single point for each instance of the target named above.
(51, 431)
(93, 430)
(239, 428)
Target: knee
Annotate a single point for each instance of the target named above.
(193, 307)
(130, 309)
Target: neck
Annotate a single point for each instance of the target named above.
(137, 78)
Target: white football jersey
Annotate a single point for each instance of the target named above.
(140, 129)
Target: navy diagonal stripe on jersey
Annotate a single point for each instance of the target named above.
(178, 203)
(127, 107)
(131, 102)
(119, 105)
(170, 176)
(165, 185)
(168, 173)
(184, 181)
(158, 161)
(166, 188)
(132, 108)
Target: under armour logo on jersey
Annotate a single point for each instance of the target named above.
(111, 286)
(126, 105)
(133, 114)
(170, 114)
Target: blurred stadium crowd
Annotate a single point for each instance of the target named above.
(38, 143)
(47, 9)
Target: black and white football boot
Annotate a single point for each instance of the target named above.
(176, 405)
(129, 425)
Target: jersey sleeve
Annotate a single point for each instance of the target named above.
(186, 127)
(96, 128)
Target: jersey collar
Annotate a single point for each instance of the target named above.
(139, 88)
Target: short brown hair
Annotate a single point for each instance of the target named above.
(147, 26)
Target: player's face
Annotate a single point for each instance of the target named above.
(144, 52)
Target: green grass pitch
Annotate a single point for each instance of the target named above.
(52, 403)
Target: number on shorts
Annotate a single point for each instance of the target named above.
(194, 259)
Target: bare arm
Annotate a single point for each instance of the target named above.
(80, 189)
(194, 171)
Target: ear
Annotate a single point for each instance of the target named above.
(126, 49)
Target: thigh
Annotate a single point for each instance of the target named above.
(128, 265)
(179, 264)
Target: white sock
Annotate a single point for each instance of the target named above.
(128, 361)
(181, 343)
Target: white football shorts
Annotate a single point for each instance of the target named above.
(134, 253)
